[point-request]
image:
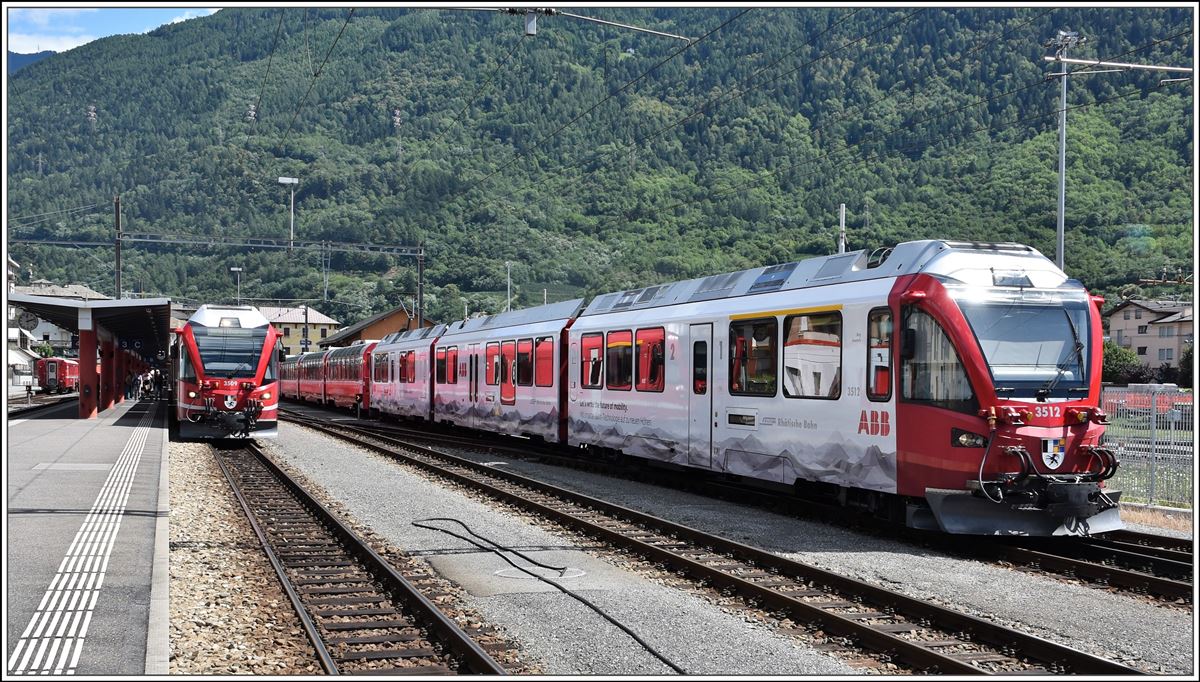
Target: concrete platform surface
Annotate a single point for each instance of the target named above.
(83, 506)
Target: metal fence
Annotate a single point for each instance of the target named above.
(1152, 432)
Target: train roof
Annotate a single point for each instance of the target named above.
(243, 316)
(563, 310)
(906, 258)
(414, 334)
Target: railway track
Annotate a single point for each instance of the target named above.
(361, 615)
(852, 614)
(21, 408)
(1156, 566)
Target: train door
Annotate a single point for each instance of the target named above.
(51, 375)
(700, 411)
(508, 373)
(474, 366)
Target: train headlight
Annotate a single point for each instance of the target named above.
(266, 396)
(966, 439)
(191, 394)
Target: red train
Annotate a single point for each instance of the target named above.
(951, 386)
(225, 369)
(338, 377)
(57, 375)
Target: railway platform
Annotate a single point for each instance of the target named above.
(87, 542)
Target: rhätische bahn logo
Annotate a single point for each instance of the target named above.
(1054, 451)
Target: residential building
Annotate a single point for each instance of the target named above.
(292, 322)
(374, 328)
(1157, 331)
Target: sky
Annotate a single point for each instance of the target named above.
(34, 29)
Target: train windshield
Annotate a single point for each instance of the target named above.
(1034, 348)
(230, 352)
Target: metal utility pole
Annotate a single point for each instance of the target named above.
(292, 225)
(420, 302)
(842, 228)
(238, 270)
(508, 276)
(117, 222)
(1061, 43)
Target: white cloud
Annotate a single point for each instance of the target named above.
(43, 17)
(29, 43)
(194, 14)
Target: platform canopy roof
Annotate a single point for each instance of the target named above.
(143, 325)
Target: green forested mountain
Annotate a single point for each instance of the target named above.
(736, 152)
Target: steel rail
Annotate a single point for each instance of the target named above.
(37, 406)
(877, 638)
(1167, 564)
(1134, 580)
(306, 621)
(457, 642)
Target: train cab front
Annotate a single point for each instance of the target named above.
(1000, 421)
(231, 408)
(228, 374)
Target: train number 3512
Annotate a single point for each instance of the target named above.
(1047, 411)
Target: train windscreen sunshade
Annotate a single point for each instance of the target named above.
(1032, 347)
(230, 352)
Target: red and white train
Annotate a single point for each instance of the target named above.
(57, 375)
(338, 377)
(225, 370)
(954, 386)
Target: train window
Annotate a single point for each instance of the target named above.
(619, 358)
(508, 374)
(700, 367)
(591, 361)
(812, 356)
(186, 371)
(525, 362)
(380, 373)
(452, 365)
(543, 365)
(272, 364)
(440, 366)
(492, 357)
(752, 356)
(650, 359)
(879, 354)
(931, 371)
(411, 368)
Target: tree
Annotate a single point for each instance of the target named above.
(1185, 368)
(1119, 363)
(45, 350)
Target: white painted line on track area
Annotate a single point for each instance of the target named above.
(53, 640)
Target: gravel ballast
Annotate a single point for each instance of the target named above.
(563, 635)
(1117, 626)
(228, 613)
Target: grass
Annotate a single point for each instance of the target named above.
(1151, 517)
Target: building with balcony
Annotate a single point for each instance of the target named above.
(1157, 331)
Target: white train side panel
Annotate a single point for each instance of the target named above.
(728, 413)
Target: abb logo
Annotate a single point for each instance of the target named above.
(874, 423)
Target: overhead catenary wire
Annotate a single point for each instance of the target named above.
(262, 87)
(61, 210)
(316, 76)
(592, 108)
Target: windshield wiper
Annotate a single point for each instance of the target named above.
(1061, 368)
